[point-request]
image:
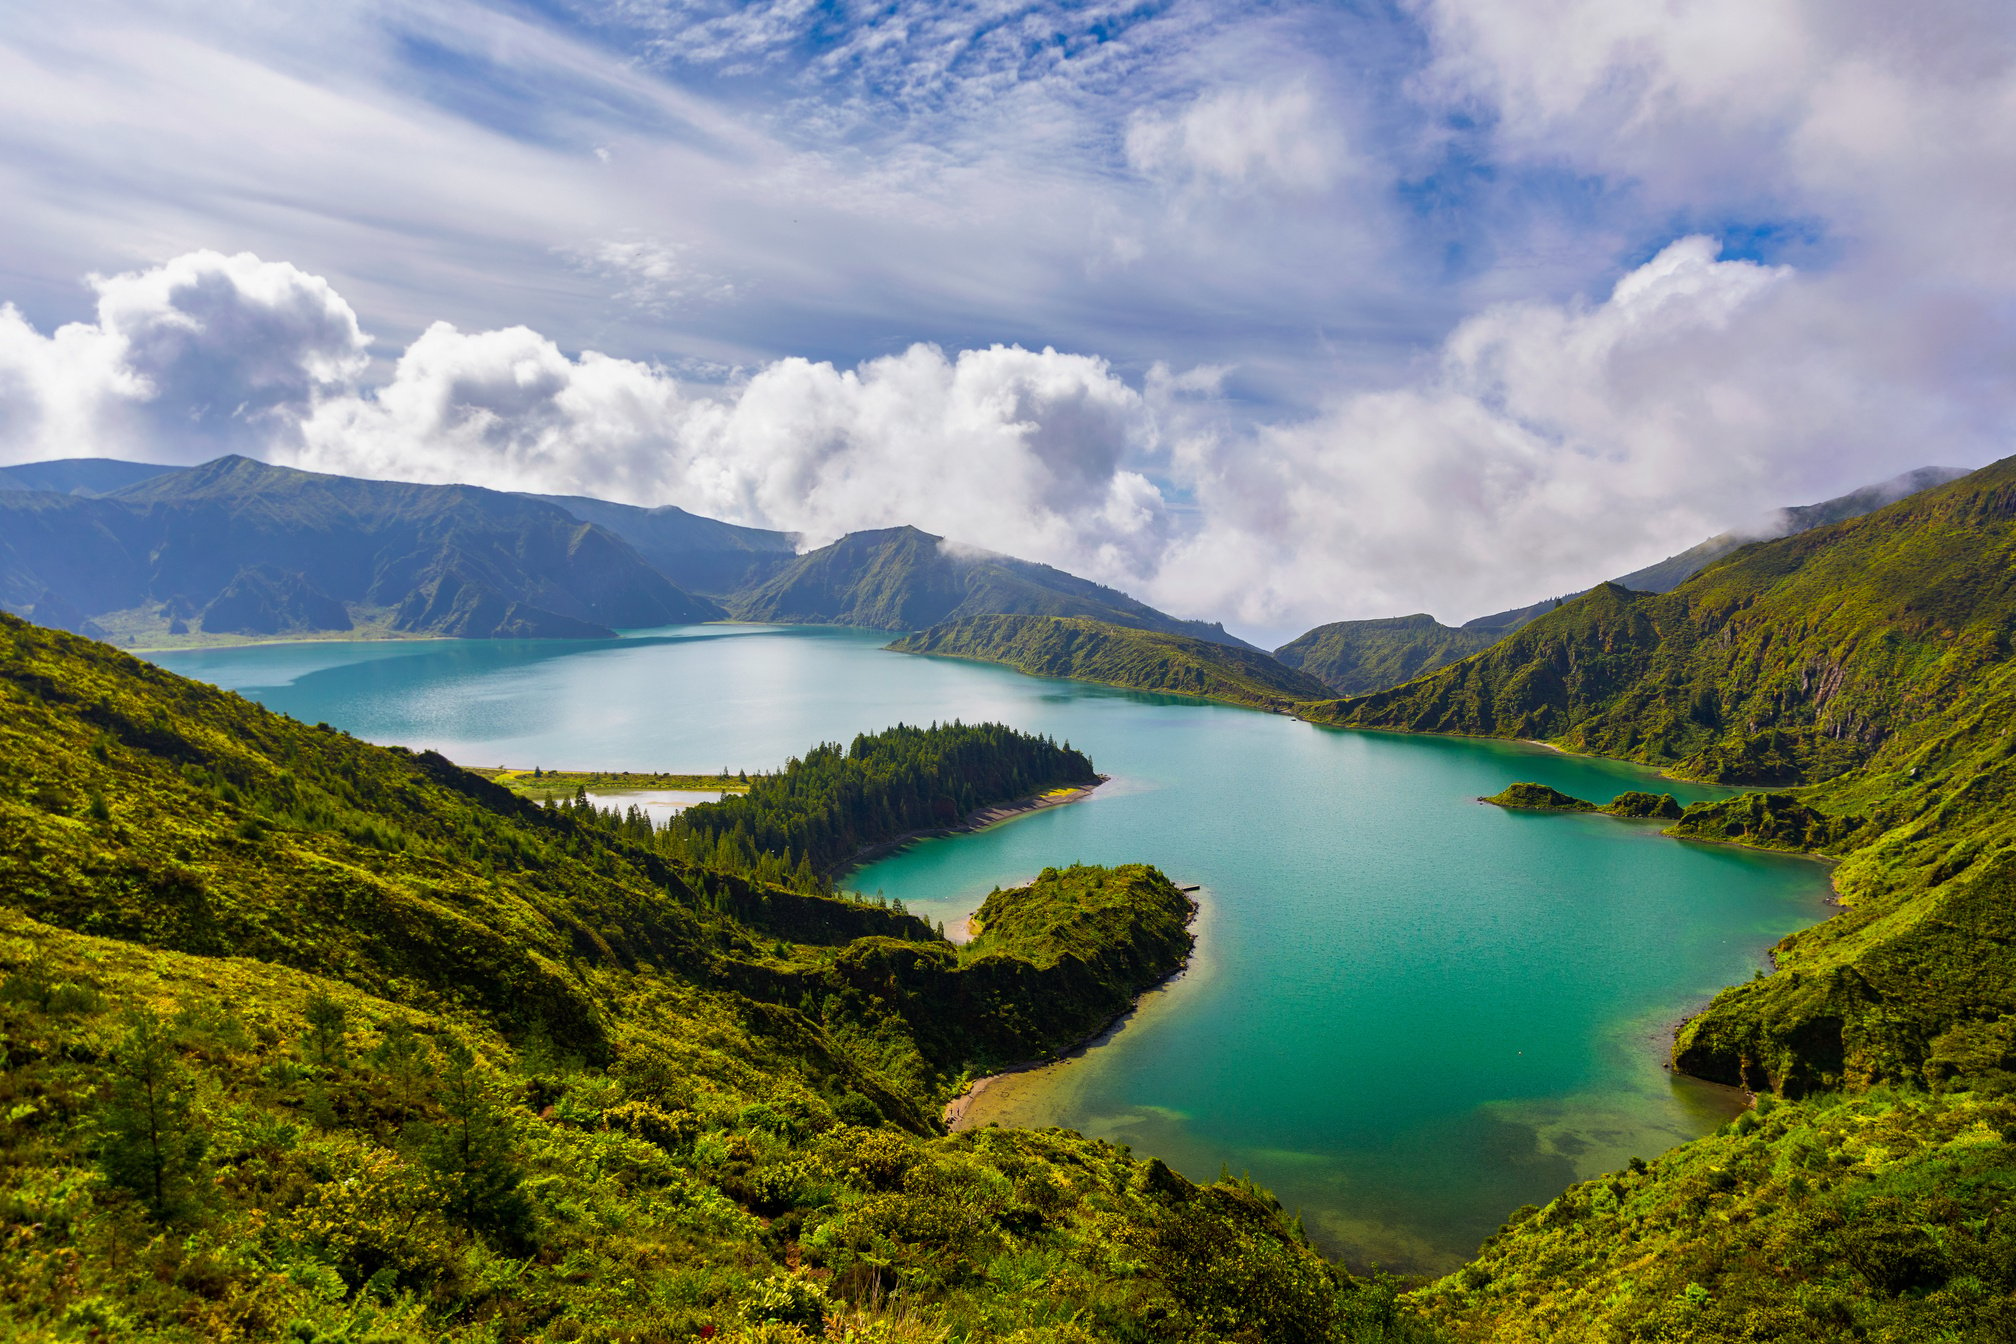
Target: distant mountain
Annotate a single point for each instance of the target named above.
(1353, 657)
(239, 547)
(1358, 657)
(80, 475)
(700, 555)
(899, 578)
(1145, 660)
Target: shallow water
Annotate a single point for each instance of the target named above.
(1410, 1012)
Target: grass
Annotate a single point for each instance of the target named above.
(540, 784)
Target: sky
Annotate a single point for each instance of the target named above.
(1277, 314)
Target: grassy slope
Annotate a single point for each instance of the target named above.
(704, 1123)
(1885, 1217)
(1354, 657)
(1088, 650)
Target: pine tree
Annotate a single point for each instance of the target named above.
(151, 1142)
(326, 1021)
(407, 1060)
(473, 1154)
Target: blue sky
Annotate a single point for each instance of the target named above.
(1275, 313)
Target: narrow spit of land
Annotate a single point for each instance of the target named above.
(540, 784)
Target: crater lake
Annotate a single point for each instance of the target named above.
(1409, 1012)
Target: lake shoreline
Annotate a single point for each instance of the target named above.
(962, 1101)
(979, 820)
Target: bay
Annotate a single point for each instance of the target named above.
(1410, 1012)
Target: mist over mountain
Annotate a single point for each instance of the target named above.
(1357, 657)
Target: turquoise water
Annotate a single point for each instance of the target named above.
(1410, 1014)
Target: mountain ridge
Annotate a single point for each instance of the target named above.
(903, 578)
(1357, 657)
(158, 553)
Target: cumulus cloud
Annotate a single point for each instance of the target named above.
(202, 355)
(1549, 446)
(1004, 447)
(1542, 447)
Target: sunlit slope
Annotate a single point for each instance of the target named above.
(899, 578)
(1146, 660)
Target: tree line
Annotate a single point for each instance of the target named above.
(802, 826)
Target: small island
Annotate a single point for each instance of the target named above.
(1632, 804)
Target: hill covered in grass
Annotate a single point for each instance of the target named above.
(1144, 660)
(1353, 657)
(899, 578)
(1359, 657)
(316, 1040)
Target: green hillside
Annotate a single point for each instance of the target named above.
(1359, 657)
(308, 1039)
(1147, 660)
(1353, 657)
(1663, 576)
(902, 579)
(238, 549)
(1863, 668)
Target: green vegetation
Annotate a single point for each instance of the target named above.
(540, 784)
(803, 825)
(1353, 657)
(1539, 796)
(1147, 660)
(308, 1039)
(1359, 657)
(1886, 1217)
(899, 578)
(1631, 804)
(1639, 806)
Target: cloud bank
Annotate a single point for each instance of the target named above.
(1543, 445)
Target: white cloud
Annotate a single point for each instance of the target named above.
(202, 355)
(1552, 445)
(1241, 138)
(1543, 446)
(1006, 448)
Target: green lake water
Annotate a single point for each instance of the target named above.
(1410, 1012)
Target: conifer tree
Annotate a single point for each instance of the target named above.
(473, 1153)
(326, 1021)
(151, 1144)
